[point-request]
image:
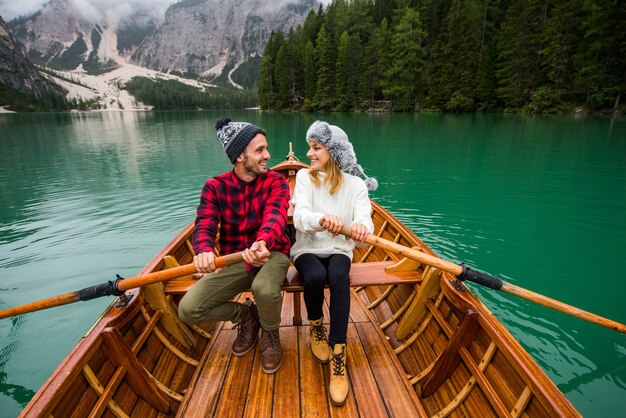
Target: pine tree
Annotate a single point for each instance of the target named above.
(325, 91)
(376, 61)
(383, 10)
(266, 82)
(311, 26)
(519, 45)
(403, 78)
(487, 83)
(288, 74)
(560, 38)
(282, 77)
(309, 66)
(432, 16)
(338, 18)
(343, 74)
(601, 55)
(456, 59)
(268, 95)
(360, 23)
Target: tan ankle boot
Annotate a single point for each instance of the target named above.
(319, 342)
(338, 388)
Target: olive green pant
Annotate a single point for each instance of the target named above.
(210, 298)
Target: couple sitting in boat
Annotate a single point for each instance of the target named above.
(249, 206)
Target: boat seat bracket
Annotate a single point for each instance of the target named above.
(448, 360)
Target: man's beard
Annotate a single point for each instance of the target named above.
(252, 169)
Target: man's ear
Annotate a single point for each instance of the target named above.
(239, 158)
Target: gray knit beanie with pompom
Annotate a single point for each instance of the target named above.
(338, 145)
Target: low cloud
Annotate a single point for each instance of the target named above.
(114, 11)
(91, 10)
(111, 11)
(10, 9)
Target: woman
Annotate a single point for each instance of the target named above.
(325, 195)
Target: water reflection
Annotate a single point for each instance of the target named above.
(12, 338)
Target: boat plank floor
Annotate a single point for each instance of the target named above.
(226, 385)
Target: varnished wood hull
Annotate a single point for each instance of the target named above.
(415, 349)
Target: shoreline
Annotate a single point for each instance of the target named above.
(3, 110)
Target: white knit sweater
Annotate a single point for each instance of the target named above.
(351, 202)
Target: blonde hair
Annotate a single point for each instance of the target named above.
(333, 177)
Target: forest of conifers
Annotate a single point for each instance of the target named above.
(450, 55)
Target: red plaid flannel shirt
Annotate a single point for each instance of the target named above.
(245, 212)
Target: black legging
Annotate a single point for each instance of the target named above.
(316, 272)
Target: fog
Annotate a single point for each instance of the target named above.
(90, 10)
(103, 10)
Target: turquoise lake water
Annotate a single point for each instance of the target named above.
(538, 201)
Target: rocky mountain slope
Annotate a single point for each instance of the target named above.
(103, 89)
(61, 36)
(16, 70)
(201, 40)
(206, 37)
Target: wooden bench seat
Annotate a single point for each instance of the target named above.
(361, 274)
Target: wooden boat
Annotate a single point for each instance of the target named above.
(420, 343)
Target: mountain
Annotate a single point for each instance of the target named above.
(212, 39)
(19, 78)
(202, 43)
(59, 36)
(16, 71)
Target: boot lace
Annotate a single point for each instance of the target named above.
(245, 325)
(319, 331)
(242, 327)
(339, 366)
(271, 340)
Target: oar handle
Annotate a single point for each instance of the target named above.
(463, 272)
(180, 271)
(116, 287)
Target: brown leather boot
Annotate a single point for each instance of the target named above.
(271, 351)
(338, 388)
(247, 330)
(319, 342)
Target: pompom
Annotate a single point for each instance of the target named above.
(221, 123)
(371, 183)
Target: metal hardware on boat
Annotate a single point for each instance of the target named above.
(123, 298)
(458, 285)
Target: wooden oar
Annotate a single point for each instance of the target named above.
(462, 272)
(117, 287)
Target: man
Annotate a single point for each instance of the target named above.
(249, 207)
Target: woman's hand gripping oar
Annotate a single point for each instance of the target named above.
(463, 272)
(117, 287)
